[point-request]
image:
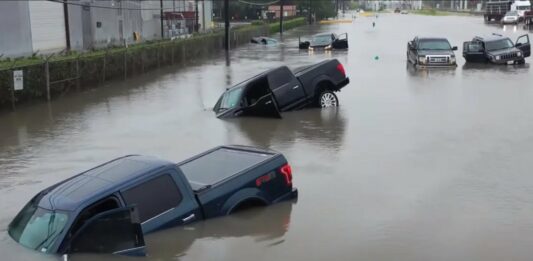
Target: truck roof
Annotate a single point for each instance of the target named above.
(100, 181)
(221, 163)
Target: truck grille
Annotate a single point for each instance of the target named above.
(438, 60)
(508, 56)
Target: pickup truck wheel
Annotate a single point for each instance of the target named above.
(328, 99)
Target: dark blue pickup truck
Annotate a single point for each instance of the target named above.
(107, 209)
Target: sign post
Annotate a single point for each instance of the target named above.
(18, 80)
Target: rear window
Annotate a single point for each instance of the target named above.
(279, 78)
(153, 197)
(220, 164)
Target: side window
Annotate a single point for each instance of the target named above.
(279, 78)
(475, 47)
(93, 210)
(153, 197)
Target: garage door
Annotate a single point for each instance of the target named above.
(47, 26)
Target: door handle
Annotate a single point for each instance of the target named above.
(189, 218)
(295, 87)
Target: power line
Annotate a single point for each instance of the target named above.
(258, 4)
(109, 7)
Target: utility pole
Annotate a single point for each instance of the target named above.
(310, 18)
(162, 30)
(226, 24)
(281, 17)
(196, 27)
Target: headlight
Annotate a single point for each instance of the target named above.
(452, 59)
(498, 57)
(328, 47)
(421, 59)
(311, 49)
(519, 54)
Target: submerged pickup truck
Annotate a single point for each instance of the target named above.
(108, 209)
(280, 89)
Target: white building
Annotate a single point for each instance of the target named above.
(45, 26)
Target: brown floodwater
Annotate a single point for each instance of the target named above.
(414, 164)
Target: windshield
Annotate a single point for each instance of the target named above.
(231, 98)
(434, 45)
(498, 45)
(37, 228)
(321, 40)
(511, 13)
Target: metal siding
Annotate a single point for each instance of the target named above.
(47, 26)
(15, 35)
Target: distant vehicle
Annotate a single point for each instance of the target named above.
(280, 89)
(427, 52)
(497, 49)
(404, 12)
(397, 10)
(528, 19)
(511, 17)
(326, 41)
(263, 40)
(108, 209)
(496, 9)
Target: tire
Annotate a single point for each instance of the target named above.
(523, 61)
(328, 99)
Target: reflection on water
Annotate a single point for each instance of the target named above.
(426, 72)
(264, 225)
(487, 67)
(323, 127)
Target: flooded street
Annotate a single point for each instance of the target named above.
(414, 164)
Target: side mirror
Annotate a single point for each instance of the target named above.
(518, 44)
(454, 48)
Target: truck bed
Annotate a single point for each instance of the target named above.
(222, 163)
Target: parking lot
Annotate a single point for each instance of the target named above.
(431, 164)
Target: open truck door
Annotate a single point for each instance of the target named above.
(523, 44)
(474, 52)
(264, 107)
(116, 231)
(341, 42)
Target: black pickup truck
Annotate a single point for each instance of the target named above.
(431, 52)
(497, 49)
(280, 89)
(108, 209)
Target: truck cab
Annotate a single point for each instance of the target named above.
(431, 52)
(521, 6)
(497, 49)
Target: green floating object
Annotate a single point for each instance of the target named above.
(376, 57)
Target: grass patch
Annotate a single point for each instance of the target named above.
(434, 12)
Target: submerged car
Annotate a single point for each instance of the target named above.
(109, 208)
(497, 49)
(511, 17)
(428, 52)
(280, 89)
(263, 40)
(326, 41)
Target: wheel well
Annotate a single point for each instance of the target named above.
(324, 85)
(247, 204)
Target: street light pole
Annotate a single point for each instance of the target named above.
(281, 17)
(161, 13)
(226, 24)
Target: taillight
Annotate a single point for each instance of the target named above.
(287, 173)
(340, 68)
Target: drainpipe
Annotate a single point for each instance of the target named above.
(67, 25)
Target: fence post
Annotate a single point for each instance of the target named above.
(142, 60)
(78, 75)
(158, 55)
(47, 77)
(172, 54)
(104, 68)
(12, 85)
(125, 64)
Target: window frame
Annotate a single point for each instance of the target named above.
(147, 180)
